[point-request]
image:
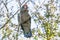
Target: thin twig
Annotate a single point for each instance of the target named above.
(8, 20)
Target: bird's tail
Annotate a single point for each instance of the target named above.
(28, 35)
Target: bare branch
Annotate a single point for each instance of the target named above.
(9, 20)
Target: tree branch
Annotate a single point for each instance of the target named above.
(8, 20)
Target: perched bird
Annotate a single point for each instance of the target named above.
(24, 21)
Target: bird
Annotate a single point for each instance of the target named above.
(24, 20)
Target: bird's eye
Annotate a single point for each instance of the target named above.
(25, 7)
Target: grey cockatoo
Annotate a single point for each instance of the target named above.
(24, 21)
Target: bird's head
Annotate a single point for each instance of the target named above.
(25, 6)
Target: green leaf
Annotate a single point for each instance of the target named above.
(36, 38)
